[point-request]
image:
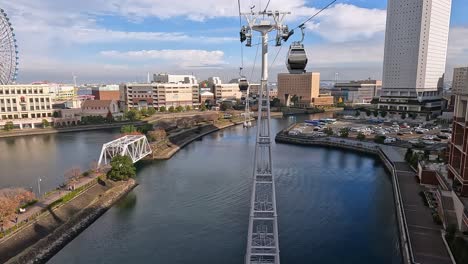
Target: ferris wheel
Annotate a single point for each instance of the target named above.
(8, 51)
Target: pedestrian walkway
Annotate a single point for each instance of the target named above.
(43, 203)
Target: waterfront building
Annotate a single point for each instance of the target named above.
(225, 91)
(25, 104)
(301, 90)
(100, 108)
(356, 92)
(106, 92)
(415, 53)
(138, 96)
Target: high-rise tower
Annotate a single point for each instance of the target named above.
(416, 40)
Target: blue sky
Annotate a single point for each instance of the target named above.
(121, 40)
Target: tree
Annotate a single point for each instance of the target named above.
(358, 113)
(379, 139)
(122, 168)
(94, 166)
(8, 126)
(157, 135)
(188, 108)
(408, 154)
(144, 129)
(72, 175)
(413, 116)
(368, 112)
(151, 111)
(328, 131)
(171, 109)
(360, 136)
(375, 113)
(383, 113)
(128, 129)
(179, 108)
(109, 117)
(403, 115)
(45, 123)
(56, 114)
(162, 109)
(225, 106)
(144, 111)
(133, 115)
(344, 132)
(203, 108)
(11, 199)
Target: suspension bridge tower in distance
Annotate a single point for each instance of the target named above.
(262, 241)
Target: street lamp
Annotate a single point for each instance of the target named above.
(39, 186)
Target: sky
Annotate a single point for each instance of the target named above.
(112, 41)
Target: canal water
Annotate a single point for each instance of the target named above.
(334, 206)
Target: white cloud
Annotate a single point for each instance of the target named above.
(181, 58)
(344, 22)
(458, 46)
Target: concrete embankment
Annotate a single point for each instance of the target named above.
(185, 138)
(174, 144)
(43, 238)
(45, 131)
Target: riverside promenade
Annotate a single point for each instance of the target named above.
(421, 240)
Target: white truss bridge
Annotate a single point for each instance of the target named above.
(134, 146)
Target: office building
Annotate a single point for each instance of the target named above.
(224, 91)
(301, 90)
(25, 104)
(415, 52)
(356, 92)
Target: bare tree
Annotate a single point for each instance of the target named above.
(94, 166)
(72, 176)
(11, 199)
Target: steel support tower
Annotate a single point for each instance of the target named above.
(262, 240)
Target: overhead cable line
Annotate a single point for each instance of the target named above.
(318, 12)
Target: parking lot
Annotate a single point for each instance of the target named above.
(427, 136)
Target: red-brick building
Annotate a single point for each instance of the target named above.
(106, 92)
(458, 158)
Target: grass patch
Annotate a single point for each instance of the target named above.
(67, 197)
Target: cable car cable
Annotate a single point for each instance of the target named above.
(318, 12)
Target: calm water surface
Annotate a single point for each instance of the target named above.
(334, 206)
